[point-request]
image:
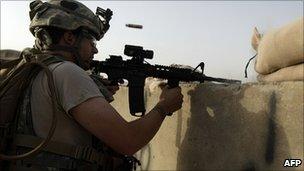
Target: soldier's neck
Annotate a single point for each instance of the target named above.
(66, 55)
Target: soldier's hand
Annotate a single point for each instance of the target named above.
(171, 99)
(113, 88)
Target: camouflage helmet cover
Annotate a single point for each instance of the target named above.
(69, 15)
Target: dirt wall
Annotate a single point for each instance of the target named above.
(252, 126)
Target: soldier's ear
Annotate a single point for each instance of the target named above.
(69, 38)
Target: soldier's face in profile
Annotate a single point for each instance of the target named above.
(88, 50)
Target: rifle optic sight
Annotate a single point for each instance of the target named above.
(138, 52)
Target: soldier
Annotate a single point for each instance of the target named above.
(90, 134)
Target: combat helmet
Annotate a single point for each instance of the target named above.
(69, 15)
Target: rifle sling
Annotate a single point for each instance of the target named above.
(86, 153)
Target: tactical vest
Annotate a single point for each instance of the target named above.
(58, 155)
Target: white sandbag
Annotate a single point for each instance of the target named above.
(291, 73)
(280, 48)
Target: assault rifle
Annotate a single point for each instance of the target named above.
(136, 70)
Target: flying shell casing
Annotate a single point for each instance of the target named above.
(137, 26)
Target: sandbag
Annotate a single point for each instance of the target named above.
(291, 73)
(280, 48)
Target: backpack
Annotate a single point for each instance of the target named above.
(17, 70)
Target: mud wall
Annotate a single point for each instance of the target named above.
(249, 127)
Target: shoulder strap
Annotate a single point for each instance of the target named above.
(24, 122)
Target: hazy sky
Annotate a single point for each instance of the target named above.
(182, 32)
